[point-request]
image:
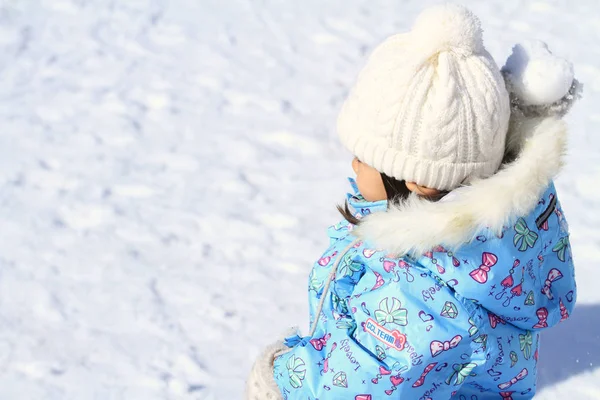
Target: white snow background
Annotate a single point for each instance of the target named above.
(168, 170)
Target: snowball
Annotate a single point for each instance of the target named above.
(537, 76)
(448, 27)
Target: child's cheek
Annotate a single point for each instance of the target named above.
(360, 184)
(363, 186)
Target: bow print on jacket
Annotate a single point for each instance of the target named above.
(320, 342)
(553, 276)
(524, 236)
(438, 347)
(488, 260)
(514, 380)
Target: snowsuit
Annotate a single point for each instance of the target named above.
(436, 324)
(442, 325)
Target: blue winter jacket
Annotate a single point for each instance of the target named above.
(437, 325)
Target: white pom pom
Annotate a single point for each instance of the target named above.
(448, 27)
(537, 76)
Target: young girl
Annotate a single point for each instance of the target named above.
(456, 252)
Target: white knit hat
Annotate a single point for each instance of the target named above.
(431, 105)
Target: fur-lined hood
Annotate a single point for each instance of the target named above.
(502, 242)
(535, 149)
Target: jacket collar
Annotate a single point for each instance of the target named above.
(417, 225)
(362, 206)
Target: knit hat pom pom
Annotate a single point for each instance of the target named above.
(448, 27)
(536, 76)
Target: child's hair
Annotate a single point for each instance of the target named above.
(396, 192)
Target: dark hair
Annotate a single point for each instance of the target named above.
(396, 192)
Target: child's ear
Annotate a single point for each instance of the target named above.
(355, 162)
(421, 190)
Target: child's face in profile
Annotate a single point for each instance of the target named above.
(369, 181)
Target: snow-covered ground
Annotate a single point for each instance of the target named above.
(168, 170)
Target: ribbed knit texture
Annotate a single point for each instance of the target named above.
(430, 106)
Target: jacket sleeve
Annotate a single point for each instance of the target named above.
(417, 329)
(401, 338)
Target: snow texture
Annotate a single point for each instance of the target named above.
(168, 170)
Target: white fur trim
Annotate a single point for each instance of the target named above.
(261, 384)
(417, 225)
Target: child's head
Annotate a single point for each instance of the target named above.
(430, 109)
